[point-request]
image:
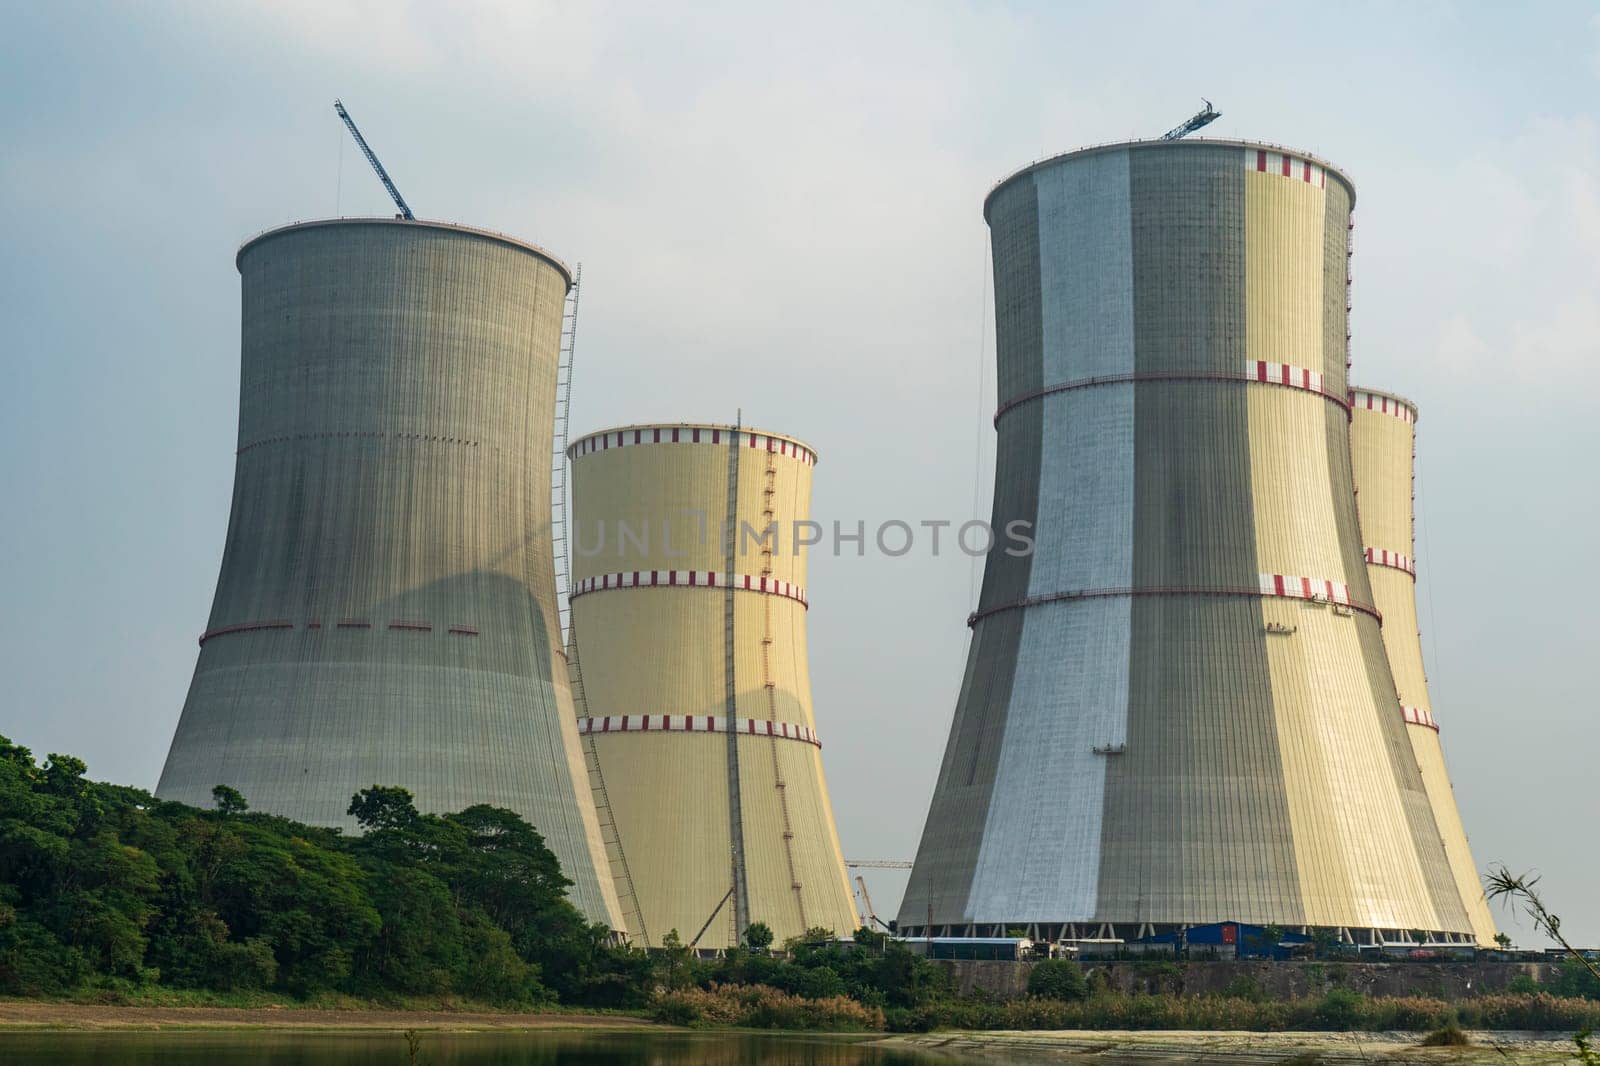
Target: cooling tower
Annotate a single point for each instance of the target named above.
(1382, 447)
(1177, 708)
(386, 611)
(696, 696)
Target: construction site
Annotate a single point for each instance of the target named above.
(1198, 702)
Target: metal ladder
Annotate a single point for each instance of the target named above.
(621, 876)
(741, 885)
(768, 516)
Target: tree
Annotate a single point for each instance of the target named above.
(1058, 979)
(383, 807)
(229, 801)
(758, 936)
(1503, 940)
(679, 960)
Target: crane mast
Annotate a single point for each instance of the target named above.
(383, 175)
(1204, 117)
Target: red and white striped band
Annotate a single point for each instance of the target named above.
(1397, 560)
(1360, 399)
(622, 438)
(1420, 716)
(1266, 161)
(1254, 371)
(1306, 588)
(708, 579)
(695, 723)
(1300, 588)
(1296, 377)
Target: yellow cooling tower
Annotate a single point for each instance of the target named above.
(689, 646)
(1382, 446)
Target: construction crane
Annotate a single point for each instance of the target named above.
(877, 864)
(1203, 117)
(866, 902)
(383, 175)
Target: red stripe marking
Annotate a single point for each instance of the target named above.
(1261, 160)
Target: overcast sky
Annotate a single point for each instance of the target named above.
(778, 209)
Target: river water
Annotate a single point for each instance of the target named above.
(531, 1048)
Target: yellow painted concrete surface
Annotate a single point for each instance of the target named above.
(661, 651)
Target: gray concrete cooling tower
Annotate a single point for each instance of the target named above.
(386, 611)
(1178, 708)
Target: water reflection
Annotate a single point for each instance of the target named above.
(528, 1048)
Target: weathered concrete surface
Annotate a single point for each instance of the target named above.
(1277, 979)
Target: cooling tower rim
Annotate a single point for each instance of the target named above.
(576, 449)
(1187, 142)
(1416, 412)
(378, 220)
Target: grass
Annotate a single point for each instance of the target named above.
(1449, 1036)
(123, 994)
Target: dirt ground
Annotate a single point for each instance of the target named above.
(35, 1014)
(1243, 1049)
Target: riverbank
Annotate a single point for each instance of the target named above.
(1241, 1049)
(42, 1014)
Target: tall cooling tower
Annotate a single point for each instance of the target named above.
(386, 611)
(1383, 447)
(1177, 707)
(691, 633)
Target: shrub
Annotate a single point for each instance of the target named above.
(1449, 1036)
(818, 983)
(1245, 987)
(1574, 979)
(1341, 1009)
(1058, 979)
(762, 1007)
(1522, 984)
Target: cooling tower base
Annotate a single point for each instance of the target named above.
(1055, 932)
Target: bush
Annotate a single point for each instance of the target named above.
(1523, 985)
(1574, 979)
(1058, 979)
(1449, 1036)
(1341, 1009)
(1245, 987)
(762, 1007)
(818, 983)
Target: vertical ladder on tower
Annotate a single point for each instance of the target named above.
(769, 489)
(621, 877)
(558, 460)
(741, 894)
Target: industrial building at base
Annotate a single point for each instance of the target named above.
(688, 646)
(386, 610)
(1179, 709)
(1383, 430)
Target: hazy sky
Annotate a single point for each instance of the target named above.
(778, 209)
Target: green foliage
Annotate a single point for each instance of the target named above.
(1587, 1053)
(1522, 985)
(758, 936)
(1341, 1008)
(229, 800)
(106, 887)
(1058, 979)
(1246, 987)
(1448, 1036)
(1575, 979)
